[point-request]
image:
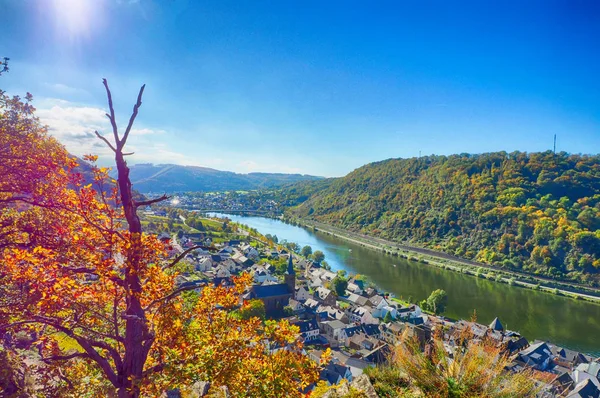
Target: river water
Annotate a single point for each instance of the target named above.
(563, 321)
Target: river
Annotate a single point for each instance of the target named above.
(563, 321)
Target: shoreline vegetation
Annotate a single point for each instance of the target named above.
(449, 262)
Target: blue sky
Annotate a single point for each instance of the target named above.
(310, 86)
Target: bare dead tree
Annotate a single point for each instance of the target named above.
(138, 337)
(122, 360)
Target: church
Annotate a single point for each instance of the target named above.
(275, 297)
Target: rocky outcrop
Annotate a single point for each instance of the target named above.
(360, 387)
(363, 384)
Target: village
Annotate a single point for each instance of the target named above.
(362, 325)
(228, 201)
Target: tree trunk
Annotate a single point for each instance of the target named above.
(138, 338)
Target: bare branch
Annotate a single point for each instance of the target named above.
(176, 293)
(15, 199)
(128, 153)
(136, 107)
(105, 140)
(154, 369)
(86, 344)
(115, 318)
(185, 253)
(95, 355)
(151, 201)
(81, 270)
(65, 357)
(65, 378)
(111, 117)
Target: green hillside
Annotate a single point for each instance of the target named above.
(535, 212)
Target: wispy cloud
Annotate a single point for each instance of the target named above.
(74, 126)
(249, 166)
(64, 90)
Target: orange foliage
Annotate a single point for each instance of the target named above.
(75, 262)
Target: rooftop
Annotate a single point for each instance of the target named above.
(262, 291)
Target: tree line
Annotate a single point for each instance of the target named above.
(532, 212)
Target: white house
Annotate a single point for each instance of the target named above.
(309, 330)
(407, 312)
(221, 271)
(327, 276)
(252, 253)
(369, 319)
(311, 304)
(331, 330)
(301, 293)
(378, 303)
(585, 371)
(262, 275)
(204, 264)
(330, 312)
(354, 288)
(362, 315)
(383, 311)
(315, 283)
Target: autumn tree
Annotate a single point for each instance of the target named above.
(253, 309)
(77, 266)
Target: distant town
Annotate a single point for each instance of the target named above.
(258, 202)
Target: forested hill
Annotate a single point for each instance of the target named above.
(538, 212)
(173, 178)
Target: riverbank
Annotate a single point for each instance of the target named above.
(535, 314)
(446, 261)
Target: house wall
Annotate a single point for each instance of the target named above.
(276, 303)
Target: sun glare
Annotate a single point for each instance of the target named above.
(75, 18)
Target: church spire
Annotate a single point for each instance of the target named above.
(290, 277)
(290, 267)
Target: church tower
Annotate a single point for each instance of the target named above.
(290, 277)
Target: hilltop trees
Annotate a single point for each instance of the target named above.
(532, 212)
(77, 267)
